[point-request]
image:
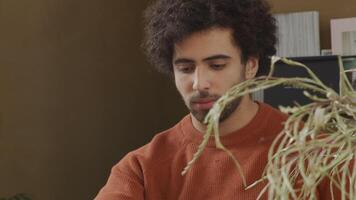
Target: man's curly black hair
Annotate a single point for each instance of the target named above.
(170, 21)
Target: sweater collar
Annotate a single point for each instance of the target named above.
(249, 132)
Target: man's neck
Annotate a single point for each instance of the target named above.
(238, 119)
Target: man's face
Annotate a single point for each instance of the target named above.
(206, 64)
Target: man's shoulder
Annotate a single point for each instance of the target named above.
(163, 141)
(162, 146)
(274, 112)
(272, 119)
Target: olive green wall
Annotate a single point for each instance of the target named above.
(76, 93)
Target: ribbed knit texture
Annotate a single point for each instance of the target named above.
(153, 172)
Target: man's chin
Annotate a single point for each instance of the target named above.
(200, 115)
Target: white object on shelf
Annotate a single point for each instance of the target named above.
(342, 32)
(349, 43)
(258, 96)
(326, 52)
(298, 34)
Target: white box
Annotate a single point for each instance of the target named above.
(338, 27)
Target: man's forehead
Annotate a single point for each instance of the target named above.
(213, 41)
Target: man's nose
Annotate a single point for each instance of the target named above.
(201, 79)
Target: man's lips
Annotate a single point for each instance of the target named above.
(203, 104)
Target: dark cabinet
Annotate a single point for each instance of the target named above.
(325, 67)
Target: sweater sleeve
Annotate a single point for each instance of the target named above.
(325, 192)
(125, 181)
(331, 192)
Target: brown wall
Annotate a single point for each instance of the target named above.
(328, 9)
(76, 93)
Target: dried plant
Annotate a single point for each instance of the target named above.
(318, 140)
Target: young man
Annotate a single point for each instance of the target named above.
(208, 46)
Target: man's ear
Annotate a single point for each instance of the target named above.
(251, 67)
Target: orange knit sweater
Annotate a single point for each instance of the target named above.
(153, 172)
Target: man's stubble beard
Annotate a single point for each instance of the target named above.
(201, 114)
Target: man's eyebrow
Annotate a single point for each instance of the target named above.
(183, 61)
(214, 57)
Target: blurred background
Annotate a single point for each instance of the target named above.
(77, 94)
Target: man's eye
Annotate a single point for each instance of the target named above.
(217, 66)
(186, 69)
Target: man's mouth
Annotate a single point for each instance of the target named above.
(203, 104)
